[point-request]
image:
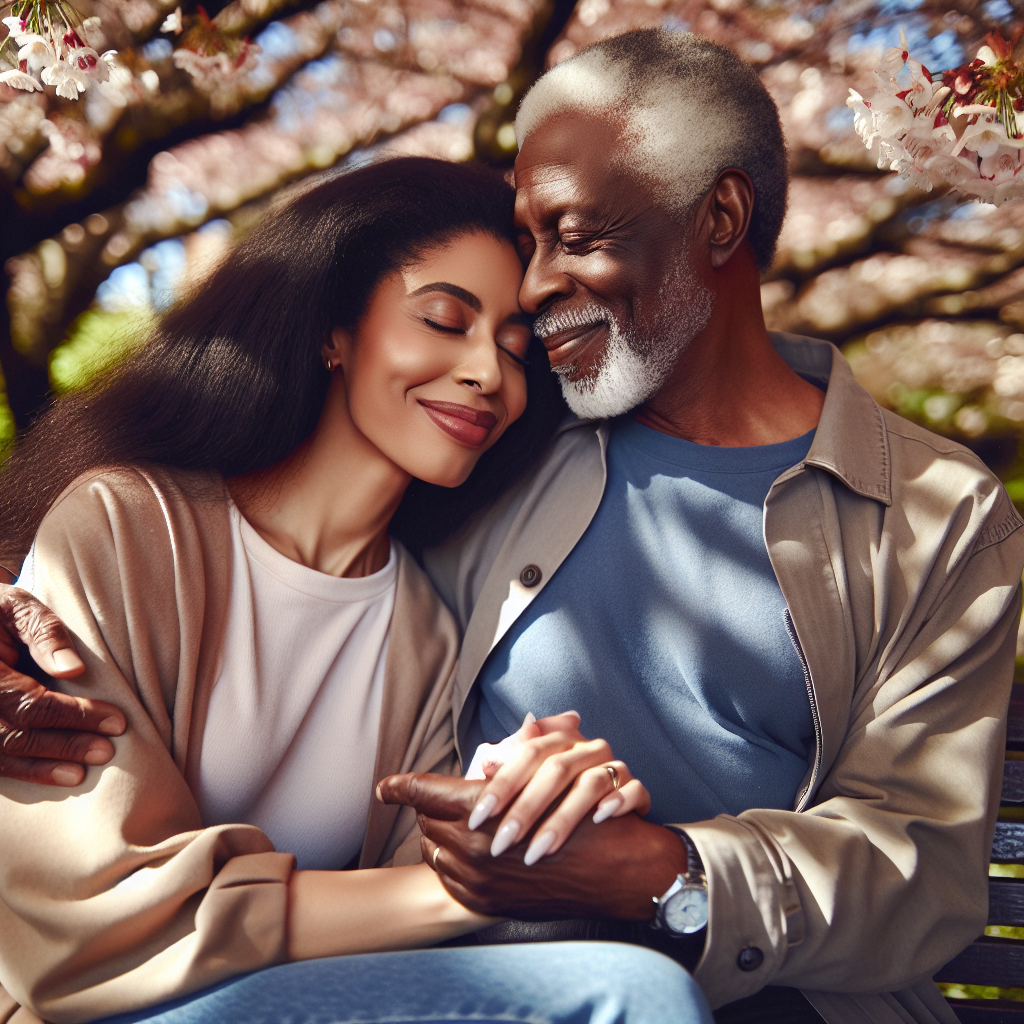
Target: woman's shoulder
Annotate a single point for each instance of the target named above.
(137, 488)
(155, 510)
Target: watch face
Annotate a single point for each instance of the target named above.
(687, 910)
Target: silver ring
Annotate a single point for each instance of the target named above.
(437, 850)
(613, 775)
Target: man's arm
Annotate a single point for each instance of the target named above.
(46, 736)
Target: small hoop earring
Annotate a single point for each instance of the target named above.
(330, 365)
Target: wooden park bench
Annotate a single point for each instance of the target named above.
(995, 961)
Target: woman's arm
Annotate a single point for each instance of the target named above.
(331, 913)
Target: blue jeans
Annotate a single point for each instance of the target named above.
(534, 983)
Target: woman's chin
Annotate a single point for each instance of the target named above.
(448, 476)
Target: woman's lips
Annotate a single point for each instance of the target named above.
(470, 426)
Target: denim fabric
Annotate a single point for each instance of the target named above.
(541, 983)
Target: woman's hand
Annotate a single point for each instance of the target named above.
(528, 773)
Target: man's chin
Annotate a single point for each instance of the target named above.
(589, 400)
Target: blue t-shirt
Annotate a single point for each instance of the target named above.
(664, 628)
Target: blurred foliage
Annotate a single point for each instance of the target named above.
(8, 430)
(953, 991)
(96, 342)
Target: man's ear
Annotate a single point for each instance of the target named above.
(730, 209)
(336, 348)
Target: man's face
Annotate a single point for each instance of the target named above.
(609, 279)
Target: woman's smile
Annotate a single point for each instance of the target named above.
(471, 427)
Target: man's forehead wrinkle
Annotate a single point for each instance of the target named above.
(545, 173)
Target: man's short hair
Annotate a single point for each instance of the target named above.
(692, 109)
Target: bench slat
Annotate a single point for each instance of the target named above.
(1013, 782)
(1015, 724)
(1006, 901)
(997, 962)
(1008, 843)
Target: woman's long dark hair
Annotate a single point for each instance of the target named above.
(232, 379)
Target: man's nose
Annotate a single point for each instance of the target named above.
(543, 283)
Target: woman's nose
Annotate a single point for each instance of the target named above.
(481, 369)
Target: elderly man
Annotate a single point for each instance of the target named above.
(790, 612)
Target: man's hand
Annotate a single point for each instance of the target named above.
(612, 869)
(46, 736)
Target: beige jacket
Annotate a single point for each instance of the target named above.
(900, 558)
(112, 895)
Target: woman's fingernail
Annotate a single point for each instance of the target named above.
(504, 838)
(377, 793)
(528, 720)
(482, 811)
(111, 726)
(607, 807)
(576, 713)
(542, 842)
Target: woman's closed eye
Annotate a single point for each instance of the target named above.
(446, 328)
(514, 340)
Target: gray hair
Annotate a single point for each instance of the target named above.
(692, 110)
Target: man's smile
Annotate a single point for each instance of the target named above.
(570, 345)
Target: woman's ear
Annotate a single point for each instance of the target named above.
(336, 348)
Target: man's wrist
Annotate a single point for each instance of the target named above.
(682, 910)
(694, 865)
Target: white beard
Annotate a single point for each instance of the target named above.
(632, 368)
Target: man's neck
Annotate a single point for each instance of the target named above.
(730, 388)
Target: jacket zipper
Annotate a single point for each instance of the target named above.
(808, 789)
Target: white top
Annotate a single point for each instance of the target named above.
(291, 732)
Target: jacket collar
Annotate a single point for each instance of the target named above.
(851, 441)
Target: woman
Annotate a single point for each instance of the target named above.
(221, 552)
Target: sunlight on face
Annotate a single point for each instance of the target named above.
(433, 374)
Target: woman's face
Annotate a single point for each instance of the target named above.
(432, 374)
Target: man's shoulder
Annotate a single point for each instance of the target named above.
(934, 475)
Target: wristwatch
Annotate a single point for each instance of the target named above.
(683, 908)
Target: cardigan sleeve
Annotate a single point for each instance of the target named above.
(112, 895)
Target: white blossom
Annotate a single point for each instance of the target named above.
(92, 32)
(69, 80)
(17, 28)
(172, 23)
(36, 52)
(915, 140)
(985, 136)
(19, 80)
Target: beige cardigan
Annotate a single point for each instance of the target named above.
(112, 895)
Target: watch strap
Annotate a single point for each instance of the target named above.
(695, 873)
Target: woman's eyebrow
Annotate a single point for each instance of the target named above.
(452, 289)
